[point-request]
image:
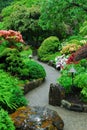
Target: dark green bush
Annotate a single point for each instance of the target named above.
(5, 121)
(12, 61)
(20, 65)
(35, 70)
(49, 46)
(11, 95)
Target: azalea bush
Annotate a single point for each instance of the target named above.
(11, 36)
(60, 62)
(70, 48)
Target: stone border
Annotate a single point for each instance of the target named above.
(32, 85)
(73, 106)
(57, 98)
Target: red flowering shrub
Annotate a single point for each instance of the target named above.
(71, 58)
(11, 36)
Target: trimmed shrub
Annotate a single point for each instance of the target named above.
(35, 70)
(49, 46)
(5, 121)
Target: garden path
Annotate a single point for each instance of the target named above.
(39, 96)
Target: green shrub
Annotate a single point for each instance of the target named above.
(78, 40)
(12, 61)
(81, 82)
(35, 70)
(11, 95)
(3, 44)
(83, 63)
(66, 82)
(51, 56)
(48, 46)
(5, 121)
(66, 77)
(83, 29)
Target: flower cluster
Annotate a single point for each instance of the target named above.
(60, 62)
(71, 59)
(11, 35)
(70, 48)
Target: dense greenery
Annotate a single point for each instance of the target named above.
(16, 60)
(5, 121)
(49, 46)
(11, 96)
(4, 3)
(63, 16)
(79, 80)
(26, 21)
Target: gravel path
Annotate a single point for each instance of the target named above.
(39, 96)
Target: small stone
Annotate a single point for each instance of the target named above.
(65, 104)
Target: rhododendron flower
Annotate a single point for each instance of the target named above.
(11, 35)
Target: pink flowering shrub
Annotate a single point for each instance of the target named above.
(11, 36)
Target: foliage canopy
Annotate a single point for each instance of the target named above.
(59, 14)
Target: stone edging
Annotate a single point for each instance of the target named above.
(73, 107)
(32, 85)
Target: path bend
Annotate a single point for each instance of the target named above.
(39, 96)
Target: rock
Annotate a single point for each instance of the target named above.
(56, 94)
(72, 106)
(37, 118)
(65, 104)
(76, 107)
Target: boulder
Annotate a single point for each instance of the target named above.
(56, 94)
(37, 118)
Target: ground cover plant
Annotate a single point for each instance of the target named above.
(5, 121)
(11, 94)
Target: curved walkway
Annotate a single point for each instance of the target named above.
(39, 96)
